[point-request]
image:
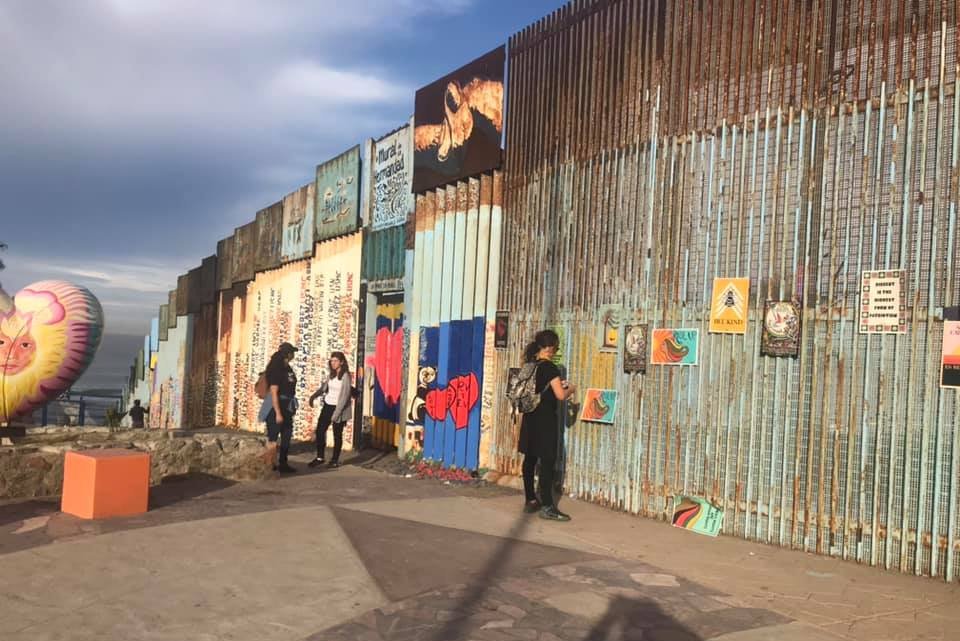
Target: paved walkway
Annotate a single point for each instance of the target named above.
(354, 554)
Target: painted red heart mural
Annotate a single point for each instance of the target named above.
(388, 362)
(457, 398)
(49, 334)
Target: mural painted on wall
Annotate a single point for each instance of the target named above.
(458, 123)
(269, 237)
(311, 303)
(385, 366)
(393, 200)
(49, 333)
(456, 279)
(225, 263)
(298, 213)
(170, 376)
(244, 252)
(338, 195)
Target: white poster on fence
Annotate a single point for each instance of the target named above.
(392, 163)
(883, 308)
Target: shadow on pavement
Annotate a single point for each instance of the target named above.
(175, 489)
(635, 619)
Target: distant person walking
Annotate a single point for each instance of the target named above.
(136, 415)
(282, 386)
(337, 393)
(540, 429)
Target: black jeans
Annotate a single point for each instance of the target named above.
(282, 430)
(546, 479)
(323, 422)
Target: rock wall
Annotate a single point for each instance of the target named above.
(33, 466)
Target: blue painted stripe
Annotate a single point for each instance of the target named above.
(472, 461)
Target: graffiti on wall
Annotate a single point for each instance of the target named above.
(171, 371)
(384, 365)
(312, 303)
(458, 123)
(392, 161)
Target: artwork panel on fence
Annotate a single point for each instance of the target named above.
(950, 355)
(883, 307)
(337, 188)
(781, 329)
(675, 346)
(459, 122)
(269, 237)
(729, 305)
(501, 334)
(635, 349)
(599, 406)
(393, 199)
(298, 233)
(610, 316)
(697, 515)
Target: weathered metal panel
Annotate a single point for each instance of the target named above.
(225, 263)
(244, 253)
(270, 228)
(193, 291)
(796, 145)
(200, 394)
(392, 200)
(208, 280)
(383, 255)
(172, 309)
(299, 210)
(183, 296)
(338, 195)
(164, 321)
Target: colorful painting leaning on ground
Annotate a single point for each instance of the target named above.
(312, 303)
(49, 334)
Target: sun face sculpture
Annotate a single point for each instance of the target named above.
(49, 334)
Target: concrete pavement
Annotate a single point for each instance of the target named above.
(358, 554)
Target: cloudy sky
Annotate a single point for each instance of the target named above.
(135, 133)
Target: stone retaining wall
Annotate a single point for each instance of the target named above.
(33, 466)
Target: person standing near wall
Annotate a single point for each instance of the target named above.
(540, 429)
(137, 412)
(282, 384)
(337, 393)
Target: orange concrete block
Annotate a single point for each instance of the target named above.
(98, 484)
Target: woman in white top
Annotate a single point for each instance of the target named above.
(337, 394)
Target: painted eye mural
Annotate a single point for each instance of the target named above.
(49, 334)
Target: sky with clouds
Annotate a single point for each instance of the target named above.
(136, 133)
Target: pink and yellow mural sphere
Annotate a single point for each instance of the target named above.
(49, 334)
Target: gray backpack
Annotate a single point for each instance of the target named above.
(522, 389)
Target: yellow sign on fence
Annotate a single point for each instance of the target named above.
(728, 309)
